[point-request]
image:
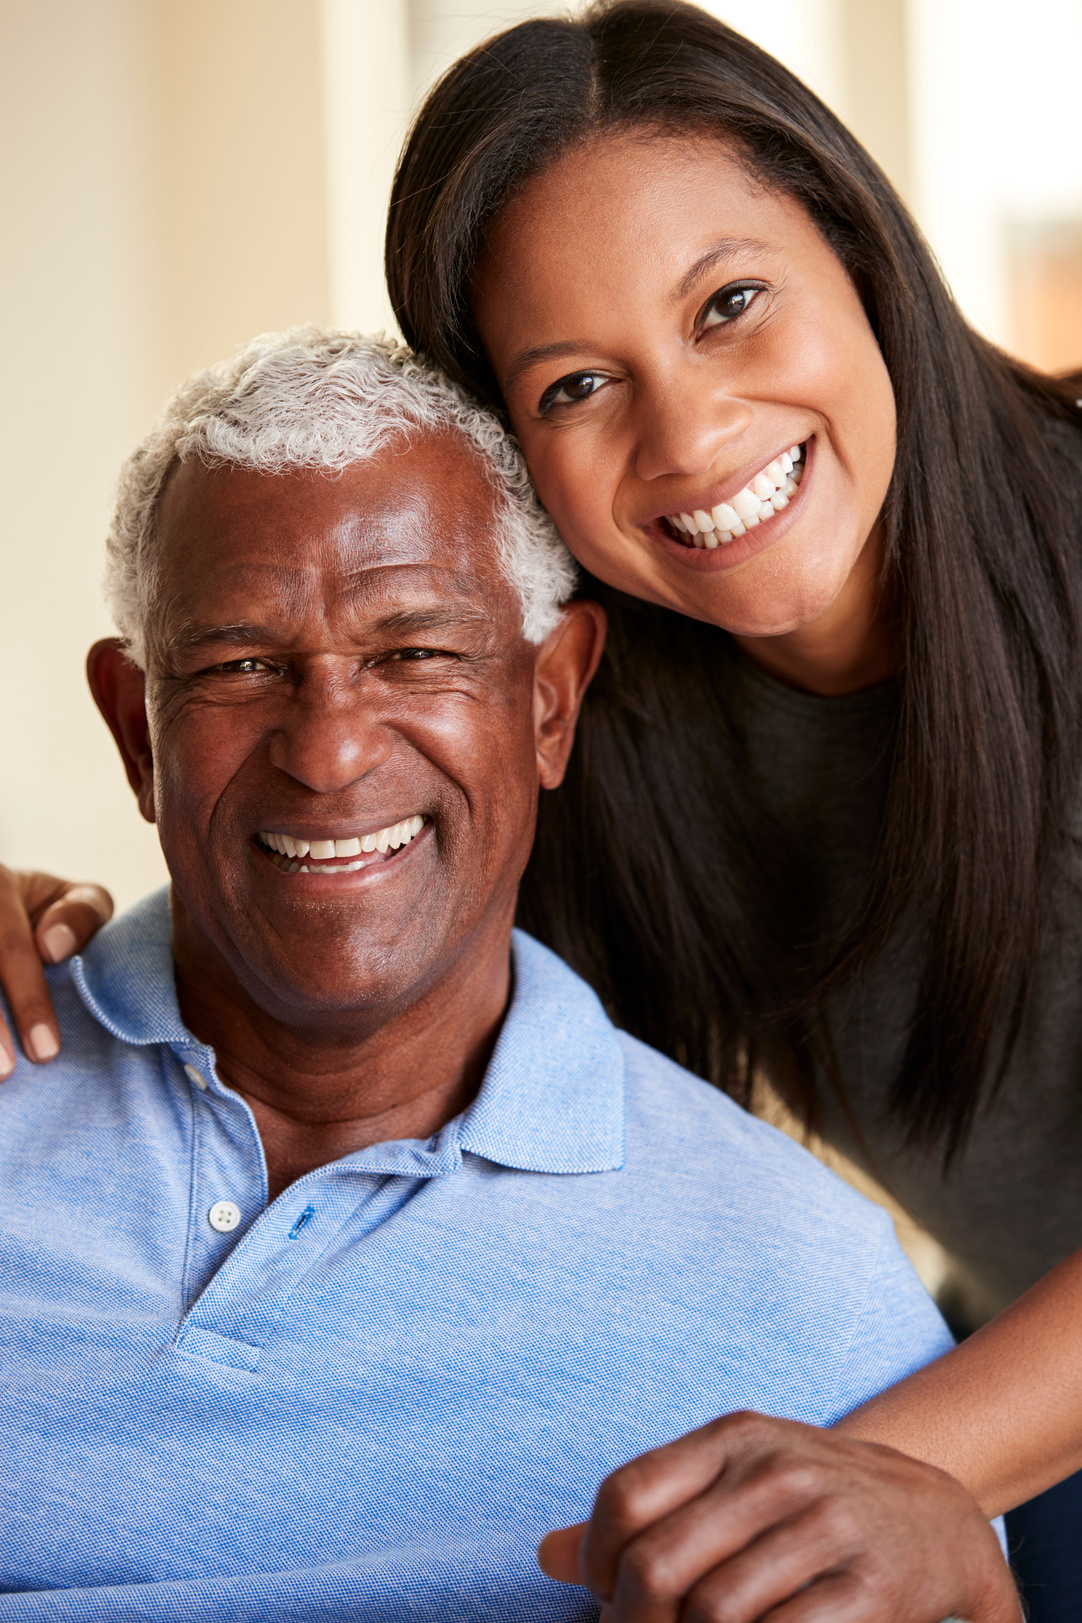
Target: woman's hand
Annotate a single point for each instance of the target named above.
(750, 1519)
(43, 920)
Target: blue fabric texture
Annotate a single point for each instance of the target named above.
(370, 1398)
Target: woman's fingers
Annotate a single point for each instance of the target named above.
(66, 925)
(42, 919)
(23, 980)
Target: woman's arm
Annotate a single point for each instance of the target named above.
(43, 920)
(1003, 1412)
(895, 1495)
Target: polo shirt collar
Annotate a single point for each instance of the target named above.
(553, 1095)
(552, 1099)
(125, 976)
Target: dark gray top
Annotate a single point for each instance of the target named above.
(1011, 1207)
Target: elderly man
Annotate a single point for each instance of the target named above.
(347, 1247)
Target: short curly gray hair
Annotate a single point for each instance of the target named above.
(315, 398)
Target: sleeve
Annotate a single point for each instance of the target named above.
(899, 1330)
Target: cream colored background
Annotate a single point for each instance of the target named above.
(180, 174)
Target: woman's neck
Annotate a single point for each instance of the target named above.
(855, 644)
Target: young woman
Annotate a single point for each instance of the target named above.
(821, 819)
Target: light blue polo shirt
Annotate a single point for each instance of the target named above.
(369, 1399)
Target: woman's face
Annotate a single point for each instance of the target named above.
(665, 332)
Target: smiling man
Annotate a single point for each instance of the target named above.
(347, 1246)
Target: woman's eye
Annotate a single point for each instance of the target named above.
(729, 303)
(578, 386)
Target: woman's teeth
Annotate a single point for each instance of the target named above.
(760, 499)
(285, 850)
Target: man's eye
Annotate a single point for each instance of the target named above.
(401, 655)
(243, 667)
(729, 303)
(577, 386)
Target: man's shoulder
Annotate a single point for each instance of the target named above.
(106, 1001)
(679, 1133)
(685, 1133)
(86, 1048)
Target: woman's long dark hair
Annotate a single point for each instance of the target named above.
(658, 872)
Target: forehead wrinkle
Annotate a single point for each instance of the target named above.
(407, 593)
(398, 619)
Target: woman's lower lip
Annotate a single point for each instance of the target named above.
(742, 547)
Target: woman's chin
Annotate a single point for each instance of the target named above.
(784, 618)
(787, 591)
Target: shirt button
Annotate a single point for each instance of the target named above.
(223, 1216)
(195, 1076)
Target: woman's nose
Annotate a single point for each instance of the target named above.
(684, 427)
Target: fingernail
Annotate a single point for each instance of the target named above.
(7, 1062)
(42, 1043)
(59, 942)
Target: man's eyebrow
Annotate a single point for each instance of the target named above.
(725, 249)
(238, 635)
(401, 622)
(398, 622)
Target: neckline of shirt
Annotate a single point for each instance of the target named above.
(552, 1098)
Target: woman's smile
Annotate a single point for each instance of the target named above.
(719, 518)
(675, 343)
(727, 527)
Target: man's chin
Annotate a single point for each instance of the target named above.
(331, 988)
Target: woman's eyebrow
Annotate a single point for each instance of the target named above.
(728, 248)
(543, 352)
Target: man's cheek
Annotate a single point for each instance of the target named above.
(193, 769)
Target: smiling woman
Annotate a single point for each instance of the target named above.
(820, 822)
(661, 459)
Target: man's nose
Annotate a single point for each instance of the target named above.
(333, 733)
(684, 425)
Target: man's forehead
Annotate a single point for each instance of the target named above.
(411, 521)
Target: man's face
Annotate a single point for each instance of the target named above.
(334, 657)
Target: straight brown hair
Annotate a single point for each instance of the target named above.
(691, 931)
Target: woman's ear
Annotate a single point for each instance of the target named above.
(566, 662)
(118, 687)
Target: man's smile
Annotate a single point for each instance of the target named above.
(292, 853)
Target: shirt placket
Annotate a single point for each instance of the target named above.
(246, 1258)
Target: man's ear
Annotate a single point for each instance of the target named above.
(566, 663)
(118, 687)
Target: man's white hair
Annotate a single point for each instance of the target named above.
(313, 398)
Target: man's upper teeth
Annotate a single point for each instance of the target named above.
(322, 850)
(761, 498)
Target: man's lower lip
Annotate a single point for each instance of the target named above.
(745, 546)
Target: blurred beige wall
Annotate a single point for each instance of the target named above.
(83, 357)
(163, 199)
(181, 174)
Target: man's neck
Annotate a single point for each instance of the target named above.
(321, 1091)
